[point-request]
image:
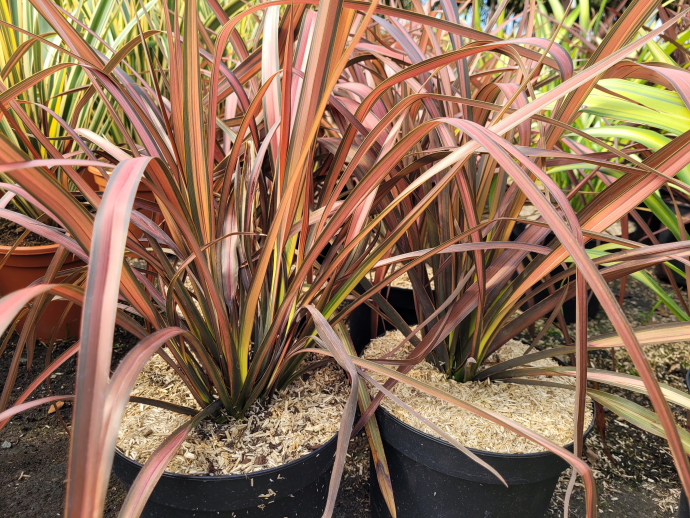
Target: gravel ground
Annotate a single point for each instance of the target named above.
(634, 472)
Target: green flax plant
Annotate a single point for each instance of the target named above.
(287, 162)
(52, 103)
(54, 108)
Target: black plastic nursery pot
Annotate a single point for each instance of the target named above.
(362, 318)
(403, 300)
(297, 489)
(432, 478)
(684, 508)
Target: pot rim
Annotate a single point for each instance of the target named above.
(141, 187)
(30, 250)
(486, 453)
(241, 476)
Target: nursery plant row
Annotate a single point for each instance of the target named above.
(318, 217)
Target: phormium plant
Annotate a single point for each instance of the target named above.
(287, 163)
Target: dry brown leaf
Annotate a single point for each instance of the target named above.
(56, 406)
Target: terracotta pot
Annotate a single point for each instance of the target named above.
(98, 183)
(25, 265)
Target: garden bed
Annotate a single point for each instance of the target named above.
(642, 483)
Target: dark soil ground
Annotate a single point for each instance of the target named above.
(638, 480)
(10, 232)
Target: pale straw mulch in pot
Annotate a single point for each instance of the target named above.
(404, 281)
(530, 212)
(548, 411)
(295, 422)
